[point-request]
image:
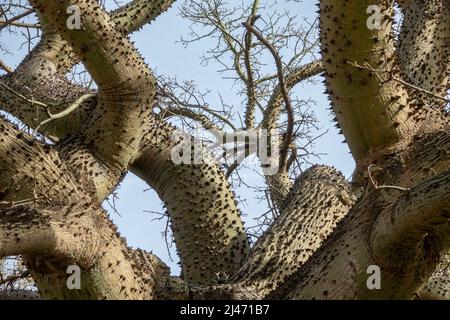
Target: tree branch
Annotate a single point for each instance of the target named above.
(136, 14)
(73, 230)
(13, 20)
(251, 94)
(4, 67)
(420, 212)
(284, 91)
(423, 47)
(319, 200)
(436, 288)
(372, 114)
(280, 184)
(230, 246)
(206, 222)
(124, 81)
(293, 78)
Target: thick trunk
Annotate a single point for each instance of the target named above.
(339, 268)
(320, 199)
(72, 230)
(222, 248)
(206, 223)
(395, 215)
(371, 109)
(424, 47)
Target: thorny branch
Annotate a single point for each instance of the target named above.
(377, 72)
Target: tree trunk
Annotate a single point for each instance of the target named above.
(394, 216)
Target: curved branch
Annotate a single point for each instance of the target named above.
(423, 46)
(320, 198)
(72, 231)
(250, 83)
(372, 112)
(14, 20)
(5, 67)
(136, 14)
(218, 209)
(46, 66)
(400, 249)
(124, 81)
(206, 222)
(280, 184)
(284, 92)
(293, 78)
(420, 213)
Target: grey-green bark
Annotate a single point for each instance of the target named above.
(394, 214)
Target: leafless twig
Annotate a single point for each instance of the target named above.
(288, 137)
(376, 186)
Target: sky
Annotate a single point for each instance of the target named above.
(158, 43)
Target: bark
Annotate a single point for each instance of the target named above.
(371, 111)
(279, 185)
(320, 199)
(394, 214)
(424, 47)
(228, 245)
(436, 288)
(42, 73)
(206, 222)
(338, 269)
(153, 163)
(48, 219)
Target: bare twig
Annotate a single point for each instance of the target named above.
(67, 111)
(7, 22)
(251, 104)
(367, 66)
(21, 96)
(5, 67)
(377, 187)
(290, 112)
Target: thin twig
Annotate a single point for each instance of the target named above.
(67, 111)
(376, 186)
(367, 66)
(22, 275)
(8, 22)
(280, 72)
(21, 96)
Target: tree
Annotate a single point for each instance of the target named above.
(388, 92)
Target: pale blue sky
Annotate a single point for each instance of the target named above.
(157, 43)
